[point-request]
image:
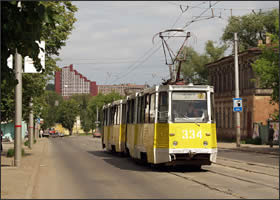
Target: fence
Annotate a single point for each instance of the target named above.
(261, 131)
(8, 130)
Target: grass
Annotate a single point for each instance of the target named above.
(11, 152)
(257, 140)
(26, 143)
(84, 134)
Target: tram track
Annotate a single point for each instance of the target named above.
(225, 190)
(248, 170)
(241, 176)
(222, 190)
(245, 180)
(250, 163)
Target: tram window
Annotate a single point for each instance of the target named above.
(127, 112)
(115, 115)
(132, 110)
(139, 110)
(213, 108)
(142, 110)
(152, 108)
(163, 107)
(147, 104)
(111, 114)
(123, 113)
(189, 107)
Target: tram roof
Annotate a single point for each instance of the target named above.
(159, 88)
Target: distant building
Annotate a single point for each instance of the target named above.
(122, 89)
(256, 106)
(69, 81)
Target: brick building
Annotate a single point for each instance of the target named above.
(122, 89)
(256, 106)
(69, 81)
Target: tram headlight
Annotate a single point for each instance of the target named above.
(175, 143)
(205, 143)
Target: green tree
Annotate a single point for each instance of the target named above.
(83, 101)
(267, 65)
(21, 27)
(98, 102)
(193, 68)
(49, 111)
(251, 28)
(67, 113)
(50, 86)
(213, 52)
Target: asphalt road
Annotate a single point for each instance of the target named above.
(267, 159)
(77, 167)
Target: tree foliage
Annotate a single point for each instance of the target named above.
(51, 21)
(83, 102)
(98, 102)
(49, 111)
(267, 65)
(251, 28)
(67, 113)
(194, 70)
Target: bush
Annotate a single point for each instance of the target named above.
(11, 152)
(26, 143)
(257, 140)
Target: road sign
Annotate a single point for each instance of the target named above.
(237, 104)
(28, 62)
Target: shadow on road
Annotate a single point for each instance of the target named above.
(128, 163)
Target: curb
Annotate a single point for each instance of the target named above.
(29, 191)
(250, 150)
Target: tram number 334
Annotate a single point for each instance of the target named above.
(191, 134)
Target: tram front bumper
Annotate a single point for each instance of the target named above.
(195, 155)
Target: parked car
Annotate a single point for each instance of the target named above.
(46, 134)
(60, 134)
(51, 132)
(96, 134)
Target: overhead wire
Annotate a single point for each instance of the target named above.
(158, 47)
(167, 39)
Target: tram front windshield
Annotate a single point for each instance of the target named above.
(189, 107)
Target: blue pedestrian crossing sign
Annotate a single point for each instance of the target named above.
(237, 104)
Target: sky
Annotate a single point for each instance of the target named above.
(115, 42)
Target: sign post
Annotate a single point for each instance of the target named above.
(237, 114)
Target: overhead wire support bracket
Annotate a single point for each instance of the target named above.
(165, 35)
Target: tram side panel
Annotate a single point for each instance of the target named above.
(161, 143)
(148, 141)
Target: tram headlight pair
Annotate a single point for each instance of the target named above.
(175, 143)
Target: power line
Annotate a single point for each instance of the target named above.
(132, 69)
(150, 50)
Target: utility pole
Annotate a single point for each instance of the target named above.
(31, 124)
(237, 114)
(97, 122)
(18, 109)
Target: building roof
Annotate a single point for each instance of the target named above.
(231, 57)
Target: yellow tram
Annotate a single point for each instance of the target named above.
(166, 124)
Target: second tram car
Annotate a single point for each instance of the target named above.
(166, 124)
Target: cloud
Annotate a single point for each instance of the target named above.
(115, 36)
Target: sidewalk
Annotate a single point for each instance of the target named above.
(18, 182)
(250, 148)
